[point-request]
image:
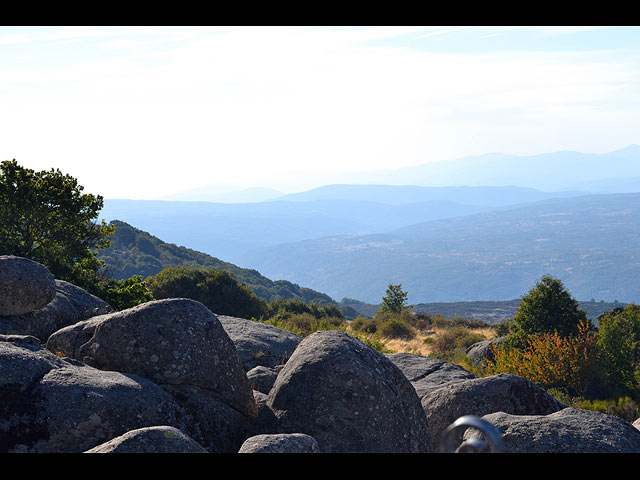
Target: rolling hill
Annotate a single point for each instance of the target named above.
(591, 242)
(136, 252)
(231, 230)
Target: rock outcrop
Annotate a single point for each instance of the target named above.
(25, 285)
(349, 397)
(161, 439)
(280, 443)
(70, 304)
(569, 430)
(259, 344)
(426, 374)
(180, 345)
(480, 396)
(55, 405)
(482, 351)
(171, 376)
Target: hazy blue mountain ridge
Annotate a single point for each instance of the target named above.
(591, 242)
(550, 172)
(231, 231)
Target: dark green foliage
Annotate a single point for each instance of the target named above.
(218, 290)
(46, 217)
(619, 343)
(395, 326)
(547, 308)
(304, 318)
(305, 324)
(457, 321)
(127, 293)
(283, 306)
(395, 300)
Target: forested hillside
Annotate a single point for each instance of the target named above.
(135, 252)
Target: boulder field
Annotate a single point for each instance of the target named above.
(170, 376)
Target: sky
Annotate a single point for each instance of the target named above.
(147, 112)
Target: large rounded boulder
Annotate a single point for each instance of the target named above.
(158, 439)
(426, 373)
(569, 430)
(25, 285)
(280, 443)
(71, 304)
(480, 396)
(55, 405)
(259, 344)
(349, 397)
(180, 345)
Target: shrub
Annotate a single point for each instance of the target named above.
(551, 360)
(451, 344)
(547, 308)
(440, 321)
(619, 342)
(304, 324)
(364, 325)
(395, 327)
(218, 290)
(622, 407)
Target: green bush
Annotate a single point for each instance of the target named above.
(452, 343)
(284, 306)
(619, 343)
(218, 290)
(440, 321)
(395, 327)
(304, 324)
(364, 325)
(547, 308)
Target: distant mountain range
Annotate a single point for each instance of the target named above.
(549, 172)
(592, 243)
(455, 240)
(227, 194)
(231, 231)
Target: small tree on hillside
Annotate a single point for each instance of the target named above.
(547, 308)
(394, 301)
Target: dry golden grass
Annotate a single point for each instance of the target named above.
(418, 345)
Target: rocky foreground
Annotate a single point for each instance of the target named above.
(171, 376)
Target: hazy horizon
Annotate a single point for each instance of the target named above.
(149, 112)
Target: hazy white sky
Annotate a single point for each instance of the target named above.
(143, 112)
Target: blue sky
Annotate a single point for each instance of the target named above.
(143, 112)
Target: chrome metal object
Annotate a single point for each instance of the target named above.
(492, 441)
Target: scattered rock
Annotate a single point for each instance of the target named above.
(70, 305)
(262, 378)
(349, 397)
(481, 396)
(259, 344)
(20, 339)
(25, 285)
(569, 430)
(479, 352)
(55, 405)
(160, 439)
(280, 443)
(427, 374)
(182, 347)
